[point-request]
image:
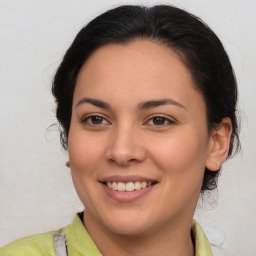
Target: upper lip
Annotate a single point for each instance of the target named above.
(126, 178)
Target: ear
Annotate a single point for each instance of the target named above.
(68, 164)
(219, 145)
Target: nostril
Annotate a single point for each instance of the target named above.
(123, 161)
(125, 152)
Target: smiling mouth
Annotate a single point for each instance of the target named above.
(128, 186)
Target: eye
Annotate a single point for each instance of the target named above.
(160, 121)
(95, 120)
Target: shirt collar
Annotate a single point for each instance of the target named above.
(202, 245)
(80, 242)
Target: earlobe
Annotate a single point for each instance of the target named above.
(68, 164)
(219, 145)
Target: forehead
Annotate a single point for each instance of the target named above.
(140, 55)
(140, 69)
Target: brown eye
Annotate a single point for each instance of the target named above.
(159, 120)
(95, 120)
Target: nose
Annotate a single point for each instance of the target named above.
(125, 147)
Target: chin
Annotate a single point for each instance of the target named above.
(128, 225)
(128, 230)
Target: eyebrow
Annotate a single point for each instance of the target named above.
(95, 102)
(142, 106)
(156, 103)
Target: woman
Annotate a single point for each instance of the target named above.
(146, 98)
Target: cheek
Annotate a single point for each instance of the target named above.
(85, 152)
(180, 153)
(85, 156)
(181, 160)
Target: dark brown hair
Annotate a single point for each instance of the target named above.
(199, 48)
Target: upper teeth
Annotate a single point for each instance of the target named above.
(129, 186)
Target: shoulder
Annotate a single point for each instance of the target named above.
(40, 245)
(78, 240)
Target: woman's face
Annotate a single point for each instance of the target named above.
(138, 141)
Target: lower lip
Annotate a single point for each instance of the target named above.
(125, 196)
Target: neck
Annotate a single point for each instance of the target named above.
(175, 240)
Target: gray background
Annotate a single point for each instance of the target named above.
(36, 192)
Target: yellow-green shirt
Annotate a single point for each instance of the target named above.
(79, 242)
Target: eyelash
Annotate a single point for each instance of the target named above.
(167, 121)
(87, 118)
(163, 118)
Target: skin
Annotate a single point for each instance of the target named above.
(127, 139)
